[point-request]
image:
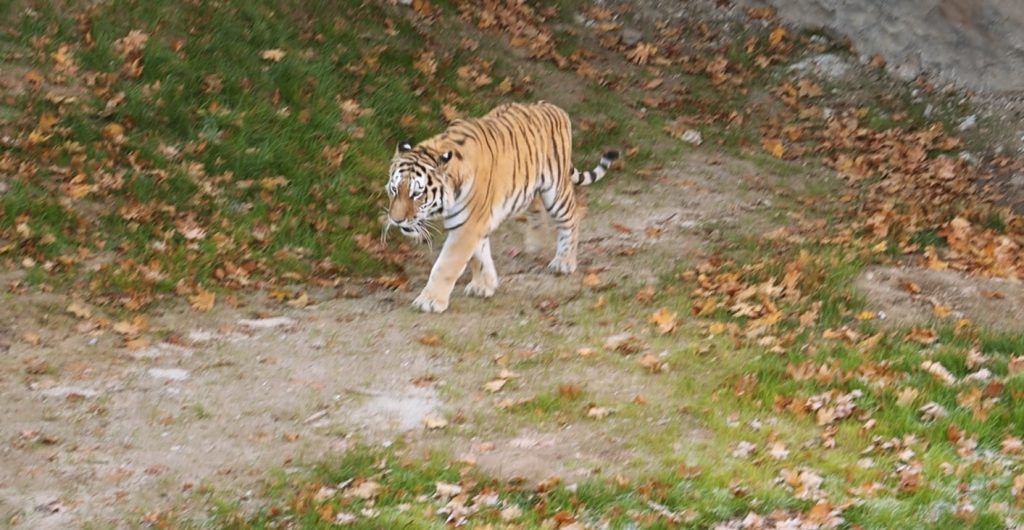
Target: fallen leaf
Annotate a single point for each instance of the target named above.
(866, 315)
(777, 35)
(665, 320)
(137, 343)
(79, 310)
(203, 300)
(113, 132)
(131, 327)
(774, 147)
(511, 513)
(652, 363)
(445, 490)
(430, 340)
(939, 372)
(434, 422)
(645, 295)
(569, 391)
(495, 385)
(300, 301)
(365, 490)
(273, 55)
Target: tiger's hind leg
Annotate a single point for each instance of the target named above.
(560, 202)
(485, 277)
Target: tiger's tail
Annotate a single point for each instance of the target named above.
(586, 178)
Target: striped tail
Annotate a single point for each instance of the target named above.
(586, 178)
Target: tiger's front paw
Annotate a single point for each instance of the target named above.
(429, 304)
(561, 265)
(478, 289)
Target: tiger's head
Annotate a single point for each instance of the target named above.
(416, 186)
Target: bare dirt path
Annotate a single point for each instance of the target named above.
(98, 433)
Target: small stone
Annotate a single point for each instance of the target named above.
(827, 65)
(266, 323)
(630, 36)
(70, 392)
(692, 136)
(171, 374)
(967, 123)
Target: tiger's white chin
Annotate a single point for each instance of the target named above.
(416, 233)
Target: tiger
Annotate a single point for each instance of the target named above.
(475, 174)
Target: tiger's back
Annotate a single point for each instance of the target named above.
(485, 170)
(513, 151)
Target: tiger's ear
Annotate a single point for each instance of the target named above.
(404, 145)
(445, 157)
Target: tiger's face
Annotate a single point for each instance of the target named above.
(416, 189)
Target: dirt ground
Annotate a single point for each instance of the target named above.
(905, 296)
(99, 433)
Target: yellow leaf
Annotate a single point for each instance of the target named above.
(79, 310)
(866, 315)
(113, 132)
(652, 363)
(434, 422)
(34, 78)
(430, 340)
(274, 55)
(300, 301)
(777, 35)
(137, 343)
(203, 300)
(665, 320)
(774, 147)
(46, 122)
(131, 327)
(495, 385)
(77, 191)
(716, 328)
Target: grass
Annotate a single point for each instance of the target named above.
(279, 163)
(241, 121)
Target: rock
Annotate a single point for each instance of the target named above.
(65, 392)
(967, 123)
(171, 374)
(973, 43)
(630, 36)
(969, 158)
(826, 65)
(160, 350)
(266, 323)
(692, 136)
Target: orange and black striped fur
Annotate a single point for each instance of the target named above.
(477, 173)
